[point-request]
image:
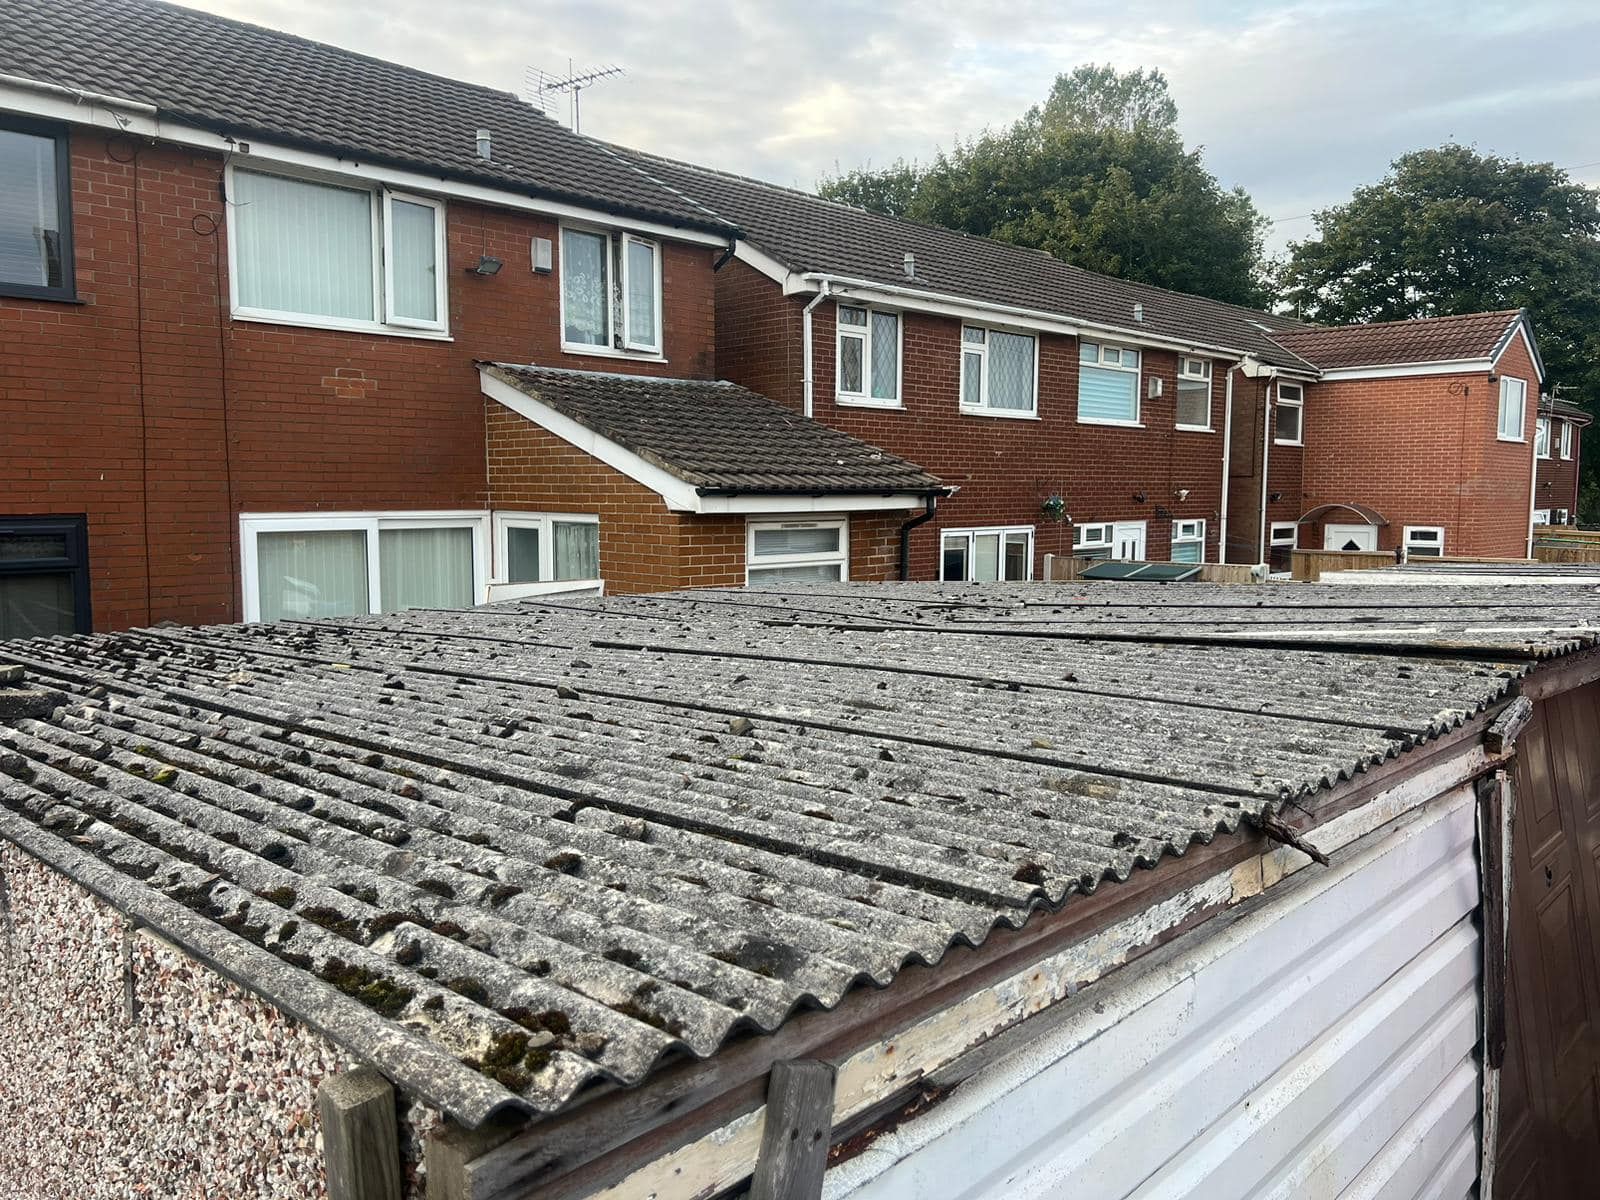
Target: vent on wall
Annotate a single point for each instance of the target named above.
(543, 255)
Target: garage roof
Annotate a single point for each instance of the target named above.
(511, 853)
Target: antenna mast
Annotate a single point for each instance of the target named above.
(539, 82)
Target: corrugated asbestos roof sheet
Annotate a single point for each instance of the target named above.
(1386, 343)
(716, 435)
(553, 844)
(808, 233)
(236, 78)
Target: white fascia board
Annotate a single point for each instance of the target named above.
(678, 495)
(1521, 331)
(1456, 366)
(768, 504)
(52, 103)
(763, 262)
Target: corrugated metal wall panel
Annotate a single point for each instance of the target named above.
(1321, 1045)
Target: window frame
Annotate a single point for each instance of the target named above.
(625, 274)
(1541, 437)
(865, 398)
(982, 407)
(1566, 440)
(62, 137)
(502, 522)
(1409, 531)
(617, 276)
(1100, 364)
(370, 523)
(1107, 542)
(1196, 537)
(378, 210)
(1299, 405)
(1187, 376)
(1522, 410)
(74, 529)
(841, 556)
(1276, 540)
(970, 535)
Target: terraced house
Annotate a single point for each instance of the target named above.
(289, 331)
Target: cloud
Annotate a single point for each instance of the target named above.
(1299, 103)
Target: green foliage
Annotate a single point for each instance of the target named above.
(1097, 176)
(1450, 230)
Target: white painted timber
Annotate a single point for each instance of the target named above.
(1321, 1045)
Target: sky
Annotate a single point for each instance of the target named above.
(1298, 103)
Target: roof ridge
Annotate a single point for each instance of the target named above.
(1401, 321)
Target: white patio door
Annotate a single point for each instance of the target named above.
(1349, 537)
(1127, 539)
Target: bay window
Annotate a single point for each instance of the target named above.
(1513, 409)
(1108, 384)
(999, 372)
(35, 211)
(1289, 416)
(303, 566)
(868, 357)
(1188, 541)
(610, 292)
(1194, 394)
(779, 552)
(335, 255)
(986, 555)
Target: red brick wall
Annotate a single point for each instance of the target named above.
(150, 410)
(1422, 450)
(759, 335)
(1285, 466)
(1558, 477)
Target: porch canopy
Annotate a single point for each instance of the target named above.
(1370, 516)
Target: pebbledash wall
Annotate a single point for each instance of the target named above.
(130, 1068)
(1005, 467)
(1423, 450)
(182, 418)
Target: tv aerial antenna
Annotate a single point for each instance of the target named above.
(544, 88)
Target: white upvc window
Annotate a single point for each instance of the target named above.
(1566, 439)
(1558, 516)
(867, 358)
(1093, 540)
(1289, 419)
(1188, 542)
(610, 292)
(1108, 384)
(1513, 409)
(987, 555)
(1194, 394)
(1423, 541)
(335, 254)
(307, 565)
(1281, 541)
(999, 372)
(1541, 516)
(780, 552)
(535, 550)
(1541, 437)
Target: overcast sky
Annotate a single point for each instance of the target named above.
(1296, 103)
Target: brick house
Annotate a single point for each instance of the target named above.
(1558, 444)
(245, 282)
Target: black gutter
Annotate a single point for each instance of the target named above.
(905, 535)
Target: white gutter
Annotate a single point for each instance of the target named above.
(77, 95)
(808, 374)
(1227, 454)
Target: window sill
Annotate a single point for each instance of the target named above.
(1282, 442)
(860, 402)
(1018, 415)
(498, 590)
(1500, 437)
(427, 335)
(581, 351)
(1195, 428)
(1545, 458)
(22, 291)
(1112, 424)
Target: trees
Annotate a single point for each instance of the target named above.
(1450, 230)
(1098, 176)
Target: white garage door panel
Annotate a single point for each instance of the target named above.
(1233, 1067)
(1435, 1155)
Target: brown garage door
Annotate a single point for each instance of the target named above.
(1550, 1107)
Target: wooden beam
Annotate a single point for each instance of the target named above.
(797, 1132)
(1505, 727)
(360, 1145)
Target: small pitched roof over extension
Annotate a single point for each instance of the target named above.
(1567, 410)
(1472, 337)
(808, 233)
(718, 437)
(505, 854)
(231, 77)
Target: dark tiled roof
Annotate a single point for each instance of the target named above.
(717, 436)
(231, 77)
(541, 837)
(1390, 343)
(808, 233)
(1569, 410)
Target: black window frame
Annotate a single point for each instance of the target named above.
(68, 290)
(75, 530)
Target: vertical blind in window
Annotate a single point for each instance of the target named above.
(30, 222)
(641, 298)
(316, 573)
(303, 247)
(425, 568)
(584, 298)
(415, 269)
(577, 549)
